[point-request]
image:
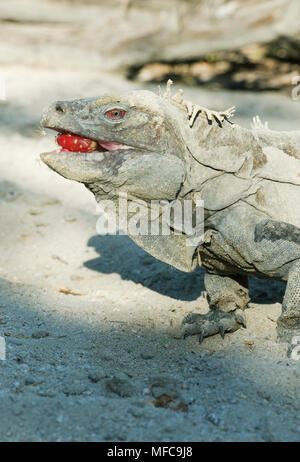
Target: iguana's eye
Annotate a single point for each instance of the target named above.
(115, 114)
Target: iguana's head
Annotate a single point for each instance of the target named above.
(137, 148)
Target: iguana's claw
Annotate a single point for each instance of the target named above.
(190, 318)
(222, 331)
(240, 317)
(213, 322)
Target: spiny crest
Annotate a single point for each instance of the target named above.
(194, 109)
(167, 94)
(257, 124)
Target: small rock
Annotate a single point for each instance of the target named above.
(121, 386)
(75, 277)
(95, 376)
(213, 418)
(74, 388)
(164, 384)
(34, 212)
(19, 359)
(47, 393)
(39, 334)
(147, 355)
(177, 334)
(165, 391)
(29, 380)
(17, 410)
(17, 387)
(106, 356)
(136, 412)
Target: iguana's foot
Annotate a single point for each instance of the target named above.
(227, 297)
(213, 322)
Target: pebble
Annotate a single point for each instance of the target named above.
(165, 390)
(47, 393)
(74, 388)
(40, 334)
(164, 385)
(213, 418)
(136, 412)
(95, 376)
(147, 355)
(121, 386)
(107, 356)
(29, 380)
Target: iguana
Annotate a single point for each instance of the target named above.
(161, 147)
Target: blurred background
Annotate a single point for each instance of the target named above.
(71, 300)
(236, 44)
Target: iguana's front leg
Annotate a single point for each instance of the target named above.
(227, 297)
(288, 324)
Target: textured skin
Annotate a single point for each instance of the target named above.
(249, 181)
(289, 321)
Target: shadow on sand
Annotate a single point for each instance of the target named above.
(119, 254)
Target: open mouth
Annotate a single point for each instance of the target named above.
(70, 142)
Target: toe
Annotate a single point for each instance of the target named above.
(191, 317)
(240, 317)
(222, 330)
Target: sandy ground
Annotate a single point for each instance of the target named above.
(90, 365)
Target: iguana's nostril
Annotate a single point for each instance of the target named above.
(60, 107)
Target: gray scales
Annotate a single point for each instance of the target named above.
(249, 181)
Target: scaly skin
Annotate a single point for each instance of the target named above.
(249, 181)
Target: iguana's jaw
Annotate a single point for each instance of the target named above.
(141, 173)
(66, 162)
(73, 142)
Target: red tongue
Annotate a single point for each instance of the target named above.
(75, 143)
